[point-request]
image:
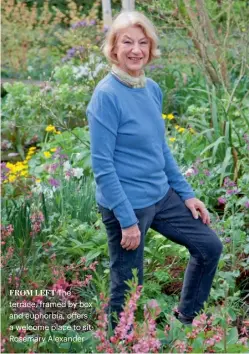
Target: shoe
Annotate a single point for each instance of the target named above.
(187, 321)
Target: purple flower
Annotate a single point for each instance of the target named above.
(92, 22)
(71, 52)
(247, 204)
(82, 23)
(54, 182)
(75, 25)
(63, 156)
(69, 174)
(201, 181)
(195, 171)
(52, 168)
(60, 156)
(4, 171)
(4, 168)
(228, 182)
(222, 200)
(232, 191)
(228, 239)
(105, 28)
(207, 173)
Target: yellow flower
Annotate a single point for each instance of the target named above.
(170, 116)
(47, 154)
(38, 180)
(10, 165)
(53, 149)
(177, 127)
(12, 178)
(50, 128)
(181, 130)
(24, 173)
(164, 116)
(172, 139)
(58, 132)
(31, 151)
(18, 167)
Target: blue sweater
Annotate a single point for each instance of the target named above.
(131, 161)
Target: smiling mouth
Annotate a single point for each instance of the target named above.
(135, 59)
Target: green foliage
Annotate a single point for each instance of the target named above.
(27, 110)
(52, 205)
(37, 38)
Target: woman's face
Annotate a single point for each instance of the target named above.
(132, 50)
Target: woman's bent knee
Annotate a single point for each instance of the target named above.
(216, 246)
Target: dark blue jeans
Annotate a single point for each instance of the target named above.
(171, 218)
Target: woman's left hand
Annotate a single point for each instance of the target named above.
(195, 205)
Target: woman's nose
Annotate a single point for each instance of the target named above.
(136, 48)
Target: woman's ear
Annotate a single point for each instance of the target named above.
(114, 54)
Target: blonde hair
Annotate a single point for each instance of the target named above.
(126, 19)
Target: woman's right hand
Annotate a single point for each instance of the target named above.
(131, 237)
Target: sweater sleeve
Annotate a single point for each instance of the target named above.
(175, 178)
(103, 117)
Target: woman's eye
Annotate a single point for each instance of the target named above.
(144, 42)
(127, 42)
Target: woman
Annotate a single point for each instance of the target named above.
(139, 185)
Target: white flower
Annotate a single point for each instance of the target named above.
(189, 172)
(98, 68)
(78, 172)
(66, 166)
(37, 188)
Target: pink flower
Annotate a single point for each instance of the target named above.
(37, 219)
(153, 304)
(222, 200)
(38, 298)
(243, 340)
(228, 182)
(6, 231)
(189, 172)
(7, 257)
(181, 346)
(22, 332)
(244, 331)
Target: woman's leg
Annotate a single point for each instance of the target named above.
(175, 221)
(122, 261)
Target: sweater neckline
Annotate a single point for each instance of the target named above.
(128, 80)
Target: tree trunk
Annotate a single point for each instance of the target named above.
(128, 5)
(107, 12)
